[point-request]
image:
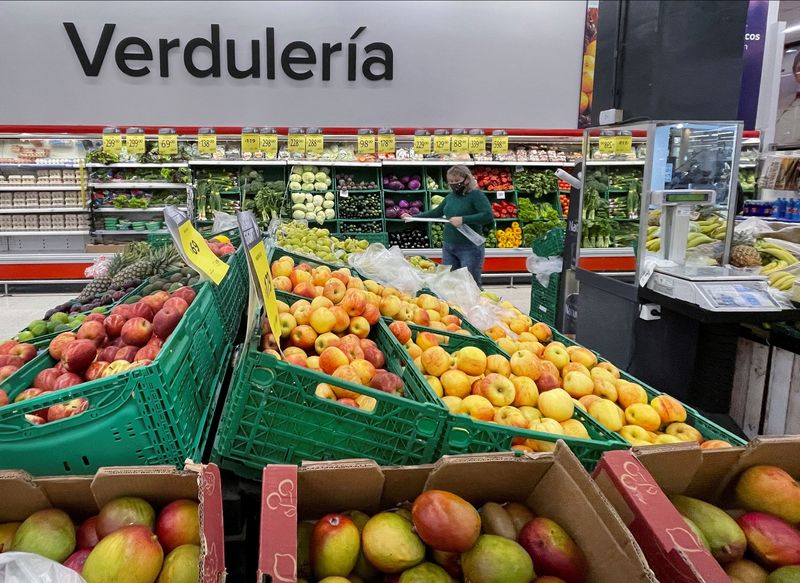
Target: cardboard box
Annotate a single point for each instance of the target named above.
(110, 248)
(82, 496)
(638, 487)
(553, 485)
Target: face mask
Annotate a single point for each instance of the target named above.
(458, 188)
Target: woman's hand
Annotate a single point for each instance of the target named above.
(456, 221)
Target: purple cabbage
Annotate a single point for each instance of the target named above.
(416, 204)
(388, 202)
(405, 179)
(414, 184)
(403, 204)
(391, 212)
(395, 185)
(416, 177)
(413, 211)
(385, 181)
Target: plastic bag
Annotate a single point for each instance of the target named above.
(31, 568)
(388, 267)
(476, 238)
(544, 267)
(223, 222)
(99, 268)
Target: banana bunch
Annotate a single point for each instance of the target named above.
(781, 280)
(773, 266)
(776, 251)
(714, 228)
(696, 239)
(653, 238)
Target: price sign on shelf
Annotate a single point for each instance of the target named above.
(250, 143)
(386, 143)
(315, 143)
(441, 144)
(422, 145)
(623, 144)
(460, 144)
(477, 144)
(501, 194)
(268, 143)
(167, 144)
(134, 143)
(207, 143)
(365, 144)
(112, 143)
(193, 247)
(607, 144)
(500, 145)
(296, 144)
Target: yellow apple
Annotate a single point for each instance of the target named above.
(530, 413)
(471, 360)
(642, 415)
(321, 302)
(667, 438)
(435, 384)
(456, 383)
(610, 368)
(629, 393)
(324, 391)
(527, 393)
(684, 432)
(588, 400)
(575, 428)
(366, 403)
(601, 373)
(477, 407)
(669, 409)
(558, 355)
(577, 384)
(544, 425)
(633, 433)
(605, 389)
(607, 413)
(576, 367)
(556, 404)
(524, 363)
(542, 332)
(435, 360)
(507, 345)
(499, 364)
(499, 390)
(511, 416)
(453, 403)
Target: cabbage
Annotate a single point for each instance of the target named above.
(310, 207)
(318, 200)
(395, 185)
(295, 178)
(307, 168)
(313, 169)
(295, 186)
(298, 197)
(328, 204)
(311, 217)
(328, 196)
(403, 204)
(308, 177)
(320, 186)
(328, 181)
(329, 214)
(325, 170)
(308, 187)
(320, 177)
(405, 179)
(300, 206)
(414, 184)
(298, 215)
(320, 217)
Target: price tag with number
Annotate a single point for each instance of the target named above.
(296, 144)
(365, 144)
(314, 144)
(477, 144)
(441, 144)
(623, 145)
(422, 145)
(193, 247)
(112, 143)
(500, 145)
(250, 143)
(167, 145)
(268, 143)
(386, 144)
(460, 145)
(501, 194)
(207, 143)
(134, 143)
(607, 144)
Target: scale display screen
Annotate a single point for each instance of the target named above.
(736, 296)
(698, 197)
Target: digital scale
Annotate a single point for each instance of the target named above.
(718, 289)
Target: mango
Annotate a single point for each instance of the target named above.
(495, 520)
(774, 541)
(445, 521)
(49, 533)
(304, 530)
(553, 551)
(770, 489)
(697, 532)
(520, 515)
(785, 575)
(744, 571)
(335, 542)
(7, 531)
(450, 562)
(425, 573)
(725, 538)
(390, 543)
(496, 559)
(363, 567)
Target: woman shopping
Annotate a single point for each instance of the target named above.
(466, 205)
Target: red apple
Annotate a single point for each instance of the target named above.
(78, 355)
(149, 352)
(178, 524)
(94, 331)
(178, 304)
(3, 398)
(166, 320)
(11, 360)
(127, 353)
(46, 379)
(187, 294)
(375, 356)
(34, 419)
(387, 382)
(25, 351)
(141, 310)
(60, 342)
(95, 370)
(114, 324)
(68, 409)
(28, 394)
(137, 331)
(155, 341)
(7, 345)
(117, 342)
(7, 370)
(107, 354)
(123, 310)
(68, 379)
(153, 302)
(94, 318)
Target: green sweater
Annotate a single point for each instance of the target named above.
(474, 209)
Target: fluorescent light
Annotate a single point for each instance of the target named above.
(793, 28)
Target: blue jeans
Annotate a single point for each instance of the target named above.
(469, 256)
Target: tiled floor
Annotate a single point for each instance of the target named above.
(18, 310)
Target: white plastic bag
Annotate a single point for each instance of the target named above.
(476, 238)
(544, 267)
(99, 268)
(223, 222)
(388, 267)
(31, 568)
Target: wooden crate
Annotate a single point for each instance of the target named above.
(750, 385)
(782, 414)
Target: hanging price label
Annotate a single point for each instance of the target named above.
(365, 144)
(386, 144)
(314, 144)
(296, 144)
(207, 143)
(441, 144)
(501, 194)
(193, 247)
(134, 143)
(500, 145)
(268, 143)
(460, 145)
(249, 143)
(167, 145)
(477, 144)
(623, 145)
(112, 143)
(422, 145)
(607, 144)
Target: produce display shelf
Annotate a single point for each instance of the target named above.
(139, 165)
(48, 258)
(421, 191)
(130, 232)
(527, 163)
(497, 219)
(429, 162)
(41, 233)
(615, 163)
(351, 192)
(151, 209)
(142, 185)
(201, 162)
(29, 165)
(347, 163)
(40, 187)
(39, 210)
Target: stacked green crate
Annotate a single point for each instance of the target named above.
(403, 190)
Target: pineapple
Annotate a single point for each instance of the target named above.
(745, 256)
(100, 285)
(159, 260)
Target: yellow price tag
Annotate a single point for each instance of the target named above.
(441, 144)
(607, 144)
(207, 143)
(112, 143)
(422, 145)
(167, 145)
(296, 144)
(500, 145)
(386, 143)
(134, 143)
(366, 144)
(249, 143)
(314, 144)
(477, 144)
(460, 145)
(268, 143)
(623, 145)
(258, 257)
(199, 254)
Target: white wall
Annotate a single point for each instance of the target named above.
(490, 64)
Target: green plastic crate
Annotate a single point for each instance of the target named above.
(278, 252)
(157, 414)
(382, 238)
(272, 415)
(232, 293)
(544, 299)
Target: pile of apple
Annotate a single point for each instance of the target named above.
(13, 355)
(220, 246)
(126, 541)
(493, 388)
(131, 336)
(440, 538)
(303, 280)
